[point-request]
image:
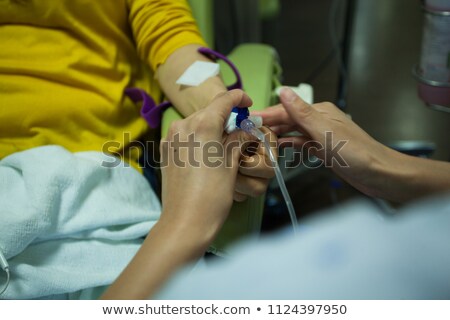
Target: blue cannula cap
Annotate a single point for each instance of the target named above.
(242, 114)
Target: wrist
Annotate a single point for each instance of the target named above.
(391, 172)
(194, 235)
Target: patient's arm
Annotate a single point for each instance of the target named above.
(167, 38)
(253, 179)
(187, 100)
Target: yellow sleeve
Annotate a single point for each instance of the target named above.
(160, 27)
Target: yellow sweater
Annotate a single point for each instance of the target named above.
(64, 65)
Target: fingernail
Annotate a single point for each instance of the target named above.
(288, 94)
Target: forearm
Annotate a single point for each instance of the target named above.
(187, 100)
(402, 178)
(168, 246)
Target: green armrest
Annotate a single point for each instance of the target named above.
(258, 66)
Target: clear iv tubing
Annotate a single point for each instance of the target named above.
(2, 290)
(248, 126)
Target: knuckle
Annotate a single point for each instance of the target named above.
(260, 189)
(238, 197)
(220, 95)
(304, 110)
(327, 105)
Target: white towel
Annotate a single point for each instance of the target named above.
(67, 223)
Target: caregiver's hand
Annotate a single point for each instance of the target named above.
(198, 185)
(362, 161)
(199, 176)
(330, 135)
